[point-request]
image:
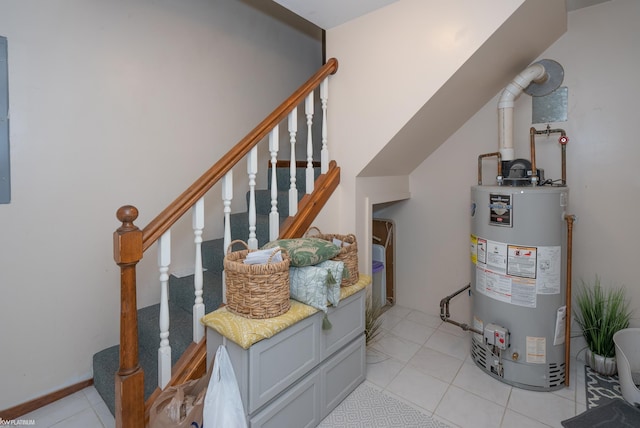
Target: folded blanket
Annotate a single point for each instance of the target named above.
(261, 257)
(340, 243)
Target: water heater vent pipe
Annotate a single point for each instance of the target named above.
(534, 73)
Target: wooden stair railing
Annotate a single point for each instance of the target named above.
(130, 243)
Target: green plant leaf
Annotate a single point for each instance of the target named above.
(600, 314)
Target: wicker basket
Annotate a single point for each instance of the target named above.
(348, 254)
(256, 291)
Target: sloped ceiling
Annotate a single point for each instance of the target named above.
(330, 13)
(579, 4)
(527, 33)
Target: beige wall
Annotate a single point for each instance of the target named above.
(598, 54)
(116, 102)
(393, 63)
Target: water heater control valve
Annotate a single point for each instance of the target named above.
(495, 335)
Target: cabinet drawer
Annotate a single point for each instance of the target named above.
(341, 374)
(278, 362)
(347, 323)
(297, 407)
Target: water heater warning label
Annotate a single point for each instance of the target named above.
(536, 350)
(522, 261)
(515, 274)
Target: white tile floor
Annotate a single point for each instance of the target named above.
(425, 362)
(417, 359)
(83, 409)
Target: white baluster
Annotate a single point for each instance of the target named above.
(324, 153)
(227, 196)
(308, 108)
(198, 280)
(293, 191)
(164, 351)
(274, 217)
(252, 170)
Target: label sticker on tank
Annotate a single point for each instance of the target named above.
(517, 291)
(481, 250)
(521, 261)
(516, 274)
(561, 319)
(496, 256)
(474, 250)
(523, 292)
(500, 207)
(536, 350)
(549, 270)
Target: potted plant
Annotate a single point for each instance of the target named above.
(601, 313)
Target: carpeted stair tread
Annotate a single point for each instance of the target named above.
(180, 329)
(213, 255)
(240, 227)
(284, 180)
(263, 201)
(182, 291)
(108, 360)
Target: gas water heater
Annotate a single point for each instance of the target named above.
(519, 255)
(518, 246)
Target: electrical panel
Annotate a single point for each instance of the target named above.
(5, 177)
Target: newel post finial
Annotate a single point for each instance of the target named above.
(127, 214)
(127, 239)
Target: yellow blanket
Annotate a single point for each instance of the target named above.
(245, 331)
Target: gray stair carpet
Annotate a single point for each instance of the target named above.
(181, 299)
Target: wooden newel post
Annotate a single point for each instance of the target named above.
(129, 380)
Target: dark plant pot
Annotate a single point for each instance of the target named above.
(603, 365)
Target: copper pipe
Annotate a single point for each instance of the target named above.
(487, 155)
(532, 142)
(563, 142)
(567, 324)
(564, 164)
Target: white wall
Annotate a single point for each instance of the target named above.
(599, 56)
(113, 103)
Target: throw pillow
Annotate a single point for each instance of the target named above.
(306, 251)
(308, 284)
(336, 269)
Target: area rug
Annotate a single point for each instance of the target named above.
(600, 389)
(368, 407)
(605, 406)
(615, 413)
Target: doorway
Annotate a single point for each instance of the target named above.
(383, 258)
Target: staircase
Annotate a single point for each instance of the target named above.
(182, 357)
(105, 362)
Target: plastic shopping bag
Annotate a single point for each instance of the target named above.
(180, 406)
(222, 403)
